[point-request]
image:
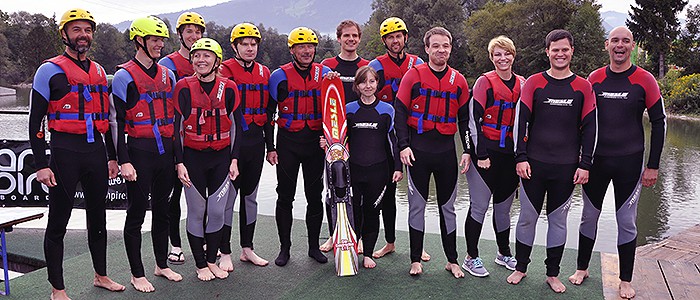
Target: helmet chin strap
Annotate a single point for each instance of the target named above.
(66, 41)
(155, 60)
(246, 63)
(182, 41)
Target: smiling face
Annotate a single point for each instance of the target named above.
(190, 34)
(247, 48)
(620, 44)
(303, 53)
(349, 38)
(203, 61)
(368, 87)
(395, 41)
(78, 33)
(502, 59)
(438, 49)
(155, 44)
(559, 53)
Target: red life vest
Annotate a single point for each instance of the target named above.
(182, 65)
(437, 104)
(303, 103)
(499, 115)
(153, 114)
(86, 106)
(208, 125)
(253, 88)
(393, 75)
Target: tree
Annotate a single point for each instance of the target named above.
(589, 46)
(273, 51)
(685, 51)
(655, 26)
(109, 47)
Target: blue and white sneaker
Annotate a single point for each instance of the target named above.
(507, 261)
(475, 267)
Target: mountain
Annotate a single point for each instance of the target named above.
(284, 15)
(612, 19)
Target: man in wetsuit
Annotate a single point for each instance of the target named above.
(295, 90)
(71, 91)
(346, 63)
(623, 91)
(252, 80)
(431, 108)
(555, 136)
(391, 67)
(142, 93)
(190, 27)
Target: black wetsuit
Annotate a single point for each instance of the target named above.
(372, 146)
(73, 160)
(500, 179)
(555, 132)
(435, 154)
(154, 171)
(347, 70)
(621, 99)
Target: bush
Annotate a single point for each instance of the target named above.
(681, 94)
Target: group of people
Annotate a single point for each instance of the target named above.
(191, 121)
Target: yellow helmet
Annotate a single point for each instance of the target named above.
(245, 30)
(190, 17)
(148, 26)
(302, 35)
(391, 25)
(207, 44)
(76, 14)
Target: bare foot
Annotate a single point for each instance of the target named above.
(455, 269)
(218, 272)
(167, 273)
(225, 264)
(626, 290)
(248, 255)
(327, 246)
(516, 277)
(142, 284)
(107, 284)
(359, 247)
(388, 248)
(59, 294)
(425, 256)
(578, 277)
(416, 269)
(369, 263)
(555, 284)
(204, 274)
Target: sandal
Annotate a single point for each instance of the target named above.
(176, 258)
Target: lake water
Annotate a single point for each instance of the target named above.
(665, 209)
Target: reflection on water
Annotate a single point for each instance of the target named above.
(665, 209)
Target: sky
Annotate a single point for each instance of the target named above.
(115, 11)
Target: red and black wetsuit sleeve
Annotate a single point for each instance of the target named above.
(589, 122)
(235, 112)
(657, 117)
(51, 84)
(463, 113)
(183, 107)
(409, 87)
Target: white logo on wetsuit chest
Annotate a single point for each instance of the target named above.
(614, 95)
(367, 125)
(559, 102)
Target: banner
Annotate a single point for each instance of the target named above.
(18, 185)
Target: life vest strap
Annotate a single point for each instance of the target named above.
(253, 87)
(439, 94)
(207, 137)
(504, 133)
(308, 93)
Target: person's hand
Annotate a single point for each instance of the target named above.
(581, 176)
(233, 169)
(407, 157)
(128, 172)
(331, 75)
(272, 158)
(46, 177)
(523, 170)
(323, 143)
(649, 177)
(398, 176)
(464, 162)
(183, 175)
(113, 169)
(484, 163)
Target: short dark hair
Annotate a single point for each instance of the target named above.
(558, 34)
(361, 76)
(347, 23)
